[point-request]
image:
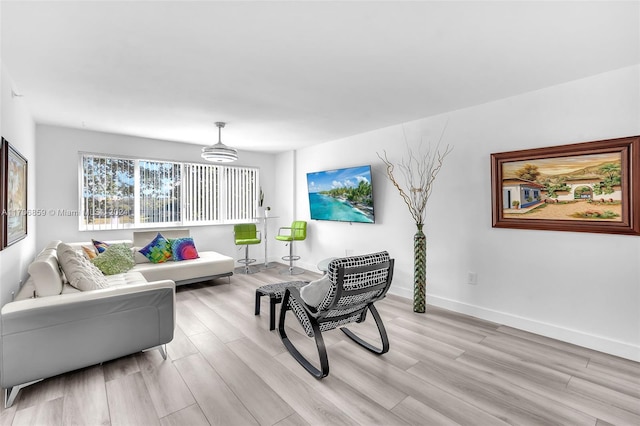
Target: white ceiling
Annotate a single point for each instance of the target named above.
(290, 74)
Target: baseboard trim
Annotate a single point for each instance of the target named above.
(576, 337)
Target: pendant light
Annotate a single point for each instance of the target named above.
(219, 153)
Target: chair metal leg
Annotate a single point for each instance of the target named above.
(246, 262)
(11, 393)
(322, 350)
(383, 334)
(163, 351)
(161, 348)
(292, 270)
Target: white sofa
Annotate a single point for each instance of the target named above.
(52, 328)
(209, 265)
(49, 334)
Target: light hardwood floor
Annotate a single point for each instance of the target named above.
(226, 368)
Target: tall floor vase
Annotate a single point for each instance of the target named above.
(419, 270)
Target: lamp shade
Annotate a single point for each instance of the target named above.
(219, 153)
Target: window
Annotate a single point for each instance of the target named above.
(202, 183)
(120, 193)
(159, 186)
(107, 193)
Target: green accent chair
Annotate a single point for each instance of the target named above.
(296, 232)
(246, 234)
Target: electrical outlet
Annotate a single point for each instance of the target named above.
(472, 278)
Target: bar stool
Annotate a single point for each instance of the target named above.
(296, 232)
(245, 234)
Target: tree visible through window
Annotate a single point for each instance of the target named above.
(107, 192)
(160, 192)
(119, 193)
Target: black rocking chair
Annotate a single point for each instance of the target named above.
(356, 283)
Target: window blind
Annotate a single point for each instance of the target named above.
(118, 193)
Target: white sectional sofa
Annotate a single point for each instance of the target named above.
(52, 328)
(51, 334)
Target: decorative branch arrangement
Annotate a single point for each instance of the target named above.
(419, 172)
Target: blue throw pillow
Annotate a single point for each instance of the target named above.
(99, 245)
(158, 250)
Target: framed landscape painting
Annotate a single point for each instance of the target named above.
(583, 187)
(14, 194)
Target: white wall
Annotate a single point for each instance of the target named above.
(593, 307)
(57, 181)
(17, 126)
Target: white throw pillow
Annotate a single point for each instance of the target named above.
(80, 272)
(314, 293)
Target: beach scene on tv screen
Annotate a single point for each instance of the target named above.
(344, 195)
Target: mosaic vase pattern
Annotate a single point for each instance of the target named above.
(419, 270)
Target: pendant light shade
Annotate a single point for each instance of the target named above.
(219, 153)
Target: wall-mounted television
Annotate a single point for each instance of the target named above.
(344, 195)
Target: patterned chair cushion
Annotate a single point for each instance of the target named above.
(302, 317)
(276, 290)
(349, 303)
(356, 280)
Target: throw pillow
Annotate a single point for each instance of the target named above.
(116, 259)
(158, 250)
(99, 245)
(139, 257)
(80, 273)
(183, 249)
(89, 252)
(314, 293)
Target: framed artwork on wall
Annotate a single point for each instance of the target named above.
(583, 187)
(14, 194)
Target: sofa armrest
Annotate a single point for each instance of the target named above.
(47, 336)
(82, 296)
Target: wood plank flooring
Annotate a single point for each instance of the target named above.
(226, 368)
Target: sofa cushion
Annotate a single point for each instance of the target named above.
(52, 245)
(116, 259)
(315, 292)
(100, 246)
(158, 250)
(207, 265)
(128, 278)
(183, 249)
(80, 272)
(142, 238)
(139, 257)
(89, 252)
(89, 244)
(45, 273)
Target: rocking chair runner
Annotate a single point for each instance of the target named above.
(356, 283)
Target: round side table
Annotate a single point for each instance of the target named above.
(323, 265)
